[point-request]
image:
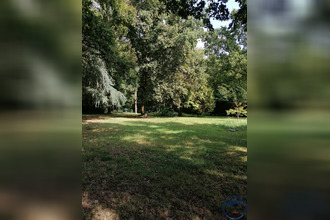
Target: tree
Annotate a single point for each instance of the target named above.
(206, 9)
(159, 40)
(107, 56)
(99, 85)
(171, 72)
(144, 39)
(227, 64)
(188, 87)
(238, 110)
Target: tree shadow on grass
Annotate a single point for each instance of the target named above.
(163, 170)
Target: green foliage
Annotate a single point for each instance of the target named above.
(188, 88)
(99, 85)
(107, 58)
(239, 17)
(227, 64)
(239, 110)
(140, 46)
(164, 112)
(202, 9)
(168, 112)
(171, 71)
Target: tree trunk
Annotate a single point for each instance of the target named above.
(135, 100)
(143, 86)
(142, 103)
(180, 111)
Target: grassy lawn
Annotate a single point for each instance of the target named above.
(162, 168)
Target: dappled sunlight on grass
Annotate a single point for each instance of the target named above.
(140, 139)
(166, 131)
(95, 211)
(167, 167)
(228, 122)
(214, 172)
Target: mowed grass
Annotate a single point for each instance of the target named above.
(162, 168)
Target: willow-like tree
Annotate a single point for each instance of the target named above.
(107, 57)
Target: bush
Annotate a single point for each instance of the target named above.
(165, 112)
(205, 114)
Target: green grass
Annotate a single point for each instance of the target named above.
(162, 168)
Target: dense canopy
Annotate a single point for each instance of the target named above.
(142, 56)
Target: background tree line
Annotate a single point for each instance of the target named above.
(142, 56)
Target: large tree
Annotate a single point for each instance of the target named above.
(187, 87)
(159, 47)
(106, 53)
(227, 64)
(206, 9)
(165, 46)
